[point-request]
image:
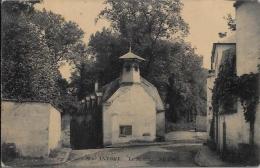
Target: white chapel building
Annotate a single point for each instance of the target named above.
(132, 108)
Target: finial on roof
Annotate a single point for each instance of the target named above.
(130, 47)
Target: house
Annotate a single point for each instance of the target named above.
(227, 127)
(132, 108)
(216, 58)
(33, 127)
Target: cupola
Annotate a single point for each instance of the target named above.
(131, 70)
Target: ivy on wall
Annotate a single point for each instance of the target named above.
(248, 93)
(225, 84)
(228, 87)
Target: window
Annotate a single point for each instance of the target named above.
(127, 67)
(125, 130)
(136, 68)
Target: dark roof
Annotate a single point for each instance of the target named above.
(112, 87)
(230, 40)
(131, 55)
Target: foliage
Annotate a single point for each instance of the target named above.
(9, 152)
(172, 59)
(108, 46)
(225, 83)
(83, 79)
(228, 86)
(186, 82)
(248, 93)
(144, 23)
(152, 27)
(62, 37)
(231, 22)
(27, 71)
(34, 44)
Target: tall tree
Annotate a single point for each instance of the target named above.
(177, 68)
(27, 71)
(144, 23)
(108, 46)
(155, 29)
(62, 37)
(85, 73)
(34, 43)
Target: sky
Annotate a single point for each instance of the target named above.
(205, 19)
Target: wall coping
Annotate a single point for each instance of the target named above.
(31, 101)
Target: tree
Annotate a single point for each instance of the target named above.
(27, 71)
(176, 68)
(108, 46)
(155, 30)
(143, 23)
(179, 72)
(34, 44)
(83, 79)
(62, 37)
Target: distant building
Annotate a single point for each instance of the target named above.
(33, 127)
(230, 130)
(132, 107)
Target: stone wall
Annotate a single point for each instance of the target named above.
(33, 127)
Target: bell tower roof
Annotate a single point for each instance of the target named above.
(131, 55)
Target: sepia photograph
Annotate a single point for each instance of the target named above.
(130, 83)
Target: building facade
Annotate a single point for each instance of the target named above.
(132, 107)
(229, 130)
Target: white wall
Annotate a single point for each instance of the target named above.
(28, 125)
(237, 129)
(130, 105)
(248, 37)
(54, 129)
(248, 47)
(131, 76)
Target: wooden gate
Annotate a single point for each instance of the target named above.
(86, 128)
